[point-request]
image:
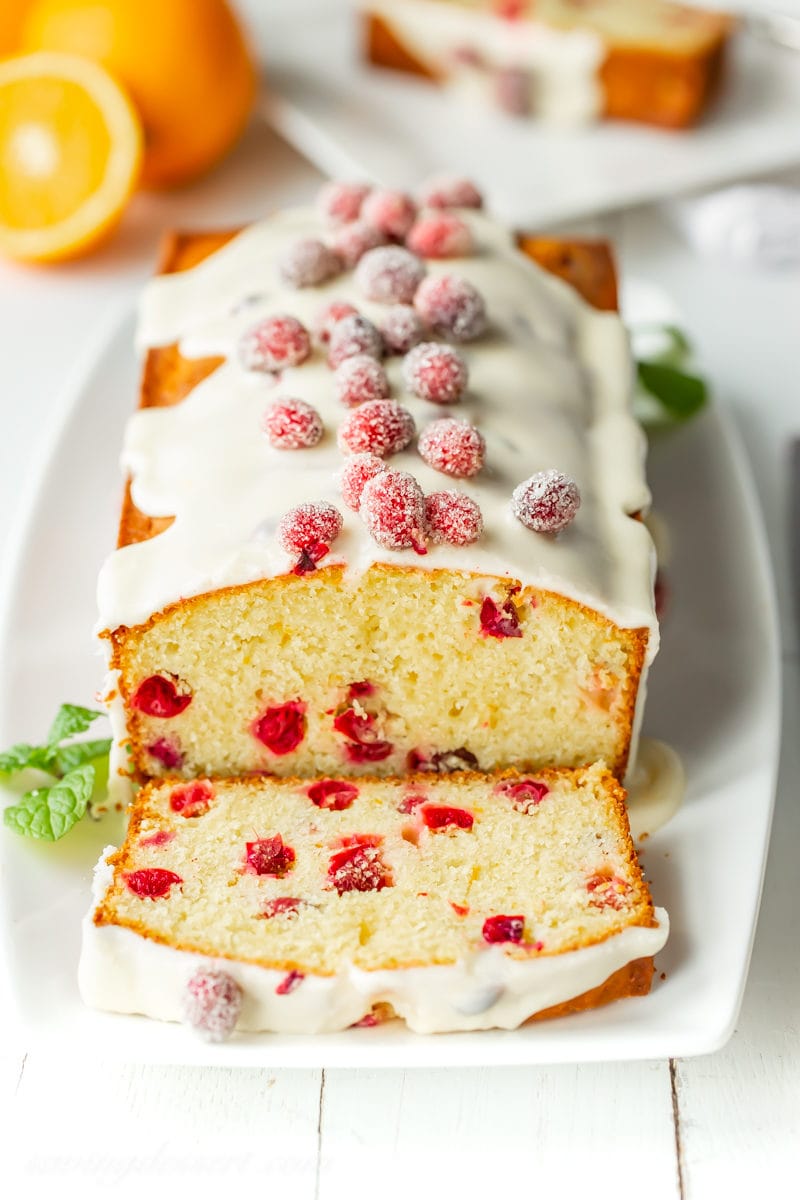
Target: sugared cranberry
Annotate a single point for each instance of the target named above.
(453, 447)
(308, 262)
(547, 502)
(151, 883)
(524, 794)
(512, 91)
(453, 518)
(503, 929)
(335, 794)
(440, 235)
(269, 856)
(363, 744)
(401, 329)
(309, 530)
(357, 471)
(393, 510)
(607, 890)
(338, 203)
(158, 696)
(390, 275)
(441, 816)
(359, 869)
(353, 335)
(282, 728)
(282, 906)
(351, 242)
(330, 315)
(212, 1002)
(274, 343)
(291, 424)
(192, 799)
(436, 373)
(289, 983)
(446, 191)
(497, 621)
(167, 752)
(381, 427)
(452, 307)
(391, 212)
(360, 379)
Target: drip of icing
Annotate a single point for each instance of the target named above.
(656, 787)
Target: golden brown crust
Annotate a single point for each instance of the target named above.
(587, 266)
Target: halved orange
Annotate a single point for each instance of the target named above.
(70, 153)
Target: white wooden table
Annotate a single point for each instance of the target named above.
(722, 1126)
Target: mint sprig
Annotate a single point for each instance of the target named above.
(48, 813)
(673, 393)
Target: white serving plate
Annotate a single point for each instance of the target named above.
(714, 696)
(355, 121)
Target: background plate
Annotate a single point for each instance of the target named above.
(354, 121)
(714, 696)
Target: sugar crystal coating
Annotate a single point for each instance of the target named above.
(453, 447)
(453, 517)
(390, 211)
(274, 343)
(449, 191)
(359, 379)
(308, 262)
(212, 1001)
(547, 502)
(401, 329)
(339, 202)
(393, 510)
(435, 372)
(440, 235)
(352, 241)
(291, 424)
(451, 306)
(352, 335)
(389, 275)
(357, 471)
(381, 427)
(303, 527)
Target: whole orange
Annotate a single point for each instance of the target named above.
(185, 63)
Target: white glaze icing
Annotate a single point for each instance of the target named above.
(122, 971)
(656, 786)
(563, 64)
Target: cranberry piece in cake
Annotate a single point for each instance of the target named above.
(440, 235)
(359, 379)
(352, 241)
(390, 275)
(452, 307)
(158, 696)
(335, 794)
(152, 883)
(436, 373)
(363, 744)
(547, 502)
(282, 906)
(338, 202)
(269, 856)
(390, 211)
(212, 1002)
(291, 424)
(274, 343)
(381, 427)
(307, 263)
(309, 530)
(448, 191)
(167, 752)
(359, 869)
(443, 816)
(453, 447)
(401, 329)
(393, 510)
(282, 728)
(356, 473)
(453, 518)
(503, 929)
(353, 335)
(524, 794)
(330, 315)
(192, 799)
(607, 890)
(497, 621)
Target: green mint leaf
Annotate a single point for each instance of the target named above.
(67, 758)
(681, 395)
(70, 719)
(22, 756)
(49, 813)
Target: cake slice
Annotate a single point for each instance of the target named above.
(457, 903)
(567, 60)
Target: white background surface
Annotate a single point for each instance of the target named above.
(723, 1126)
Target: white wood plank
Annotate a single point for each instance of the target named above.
(99, 1126)
(740, 1109)
(558, 1131)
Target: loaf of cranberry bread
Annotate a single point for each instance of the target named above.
(383, 506)
(568, 60)
(465, 902)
